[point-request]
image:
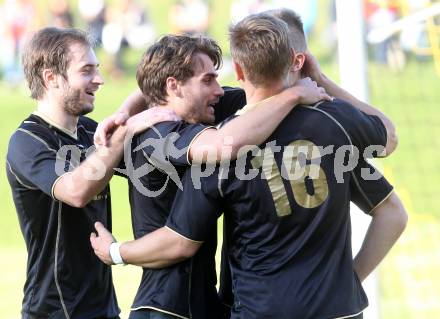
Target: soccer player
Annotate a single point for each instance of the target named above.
(288, 238)
(179, 72)
(289, 248)
(58, 193)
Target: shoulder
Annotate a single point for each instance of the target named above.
(234, 96)
(336, 108)
(33, 132)
(233, 100)
(163, 129)
(30, 139)
(343, 114)
(340, 111)
(233, 91)
(362, 128)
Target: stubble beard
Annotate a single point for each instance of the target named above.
(72, 103)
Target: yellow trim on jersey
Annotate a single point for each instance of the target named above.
(18, 179)
(53, 123)
(371, 212)
(250, 107)
(192, 240)
(192, 141)
(52, 190)
(160, 310)
(350, 316)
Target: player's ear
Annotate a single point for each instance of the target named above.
(238, 71)
(298, 60)
(50, 79)
(173, 86)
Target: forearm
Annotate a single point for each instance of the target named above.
(338, 92)
(78, 187)
(389, 221)
(333, 89)
(133, 104)
(158, 249)
(262, 120)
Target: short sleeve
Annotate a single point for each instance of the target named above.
(233, 100)
(194, 212)
(168, 142)
(369, 188)
(32, 160)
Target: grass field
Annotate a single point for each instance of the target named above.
(409, 277)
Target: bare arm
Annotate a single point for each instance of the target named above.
(95, 172)
(311, 68)
(389, 221)
(158, 249)
(261, 121)
(78, 187)
(133, 104)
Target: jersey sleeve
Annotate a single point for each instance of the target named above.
(195, 211)
(233, 100)
(363, 130)
(32, 160)
(169, 142)
(368, 187)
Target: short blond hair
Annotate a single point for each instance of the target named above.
(261, 45)
(296, 27)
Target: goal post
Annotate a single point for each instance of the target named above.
(352, 55)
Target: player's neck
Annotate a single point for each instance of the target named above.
(255, 94)
(175, 105)
(56, 114)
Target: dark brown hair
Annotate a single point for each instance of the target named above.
(172, 56)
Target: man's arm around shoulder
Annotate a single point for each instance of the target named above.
(78, 187)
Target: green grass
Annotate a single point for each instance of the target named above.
(409, 276)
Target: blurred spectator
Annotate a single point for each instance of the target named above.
(127, 25)
(18, 17)
(93, 13)
(61, 14)
(380, 13)
(414, 36)
(137, 27)
(189, 17)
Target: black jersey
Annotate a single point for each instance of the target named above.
(169, 289)
(233, 100)
(288, 233)
(186, 289)
(64, 277)
(365, 193)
